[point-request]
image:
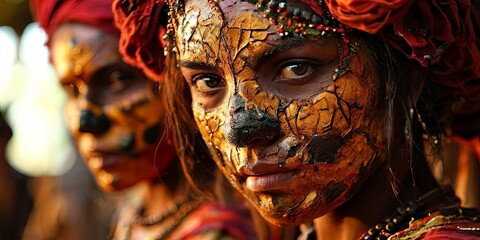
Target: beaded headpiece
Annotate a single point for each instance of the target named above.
(291, 20)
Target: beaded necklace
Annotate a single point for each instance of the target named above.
(441, 200)
(155, 219)
(167, 221)
(399, 220)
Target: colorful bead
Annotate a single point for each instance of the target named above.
(289, 21)
(297, 20)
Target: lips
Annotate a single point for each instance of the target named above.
(273, 169)
(267, 175)
(102, 160)
(269, 182)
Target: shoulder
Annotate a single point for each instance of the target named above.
(126, 208)
(213, 220)
(442, 225)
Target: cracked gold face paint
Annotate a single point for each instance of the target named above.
(113, 111)
(296, 143)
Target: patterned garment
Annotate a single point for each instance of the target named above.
(221, 218)
(453, 223)
(208, 220)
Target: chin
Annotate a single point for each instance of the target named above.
(107, 187)
(111, 181)
(292, 218)
(292, 209)
(114, 187)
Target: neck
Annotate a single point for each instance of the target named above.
(356, 216)
(156, 196)
(375, 200)
(161, 195)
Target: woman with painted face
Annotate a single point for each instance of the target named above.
(116, 118)
(326, 113)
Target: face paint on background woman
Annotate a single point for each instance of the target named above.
(113, 111)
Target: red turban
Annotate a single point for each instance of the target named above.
(143, 27)
(51, 13)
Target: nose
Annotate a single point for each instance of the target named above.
(91, 123)
(247, 127)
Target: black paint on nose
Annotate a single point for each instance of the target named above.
(152, 134)
(91, 123)
(247, 127)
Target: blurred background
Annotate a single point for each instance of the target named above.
(15, 13)
(30, 95)
(45, 190)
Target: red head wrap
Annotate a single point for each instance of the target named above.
(51, 13)
(141, 41)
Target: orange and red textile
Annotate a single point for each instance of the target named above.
(51, 13)
(141, 42)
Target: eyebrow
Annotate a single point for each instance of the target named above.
(284, 45)
(196, 65)
(71, 78)
(108, 67)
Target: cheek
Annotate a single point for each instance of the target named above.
(210, 124)
(145, 122)
(151, 113)
(338, 110)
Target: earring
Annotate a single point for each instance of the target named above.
(426, 135)
(347, 50)
(169, 36)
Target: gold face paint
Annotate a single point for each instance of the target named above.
(113, 111)
(296, 143)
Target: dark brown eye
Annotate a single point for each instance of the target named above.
(118, 80)
(296, 70)
(207, 83)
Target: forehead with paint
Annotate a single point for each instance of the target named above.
(293, 122)
(78, 44)
(113, 111)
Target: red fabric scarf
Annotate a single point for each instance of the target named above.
(51, 13)
(141, 41)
